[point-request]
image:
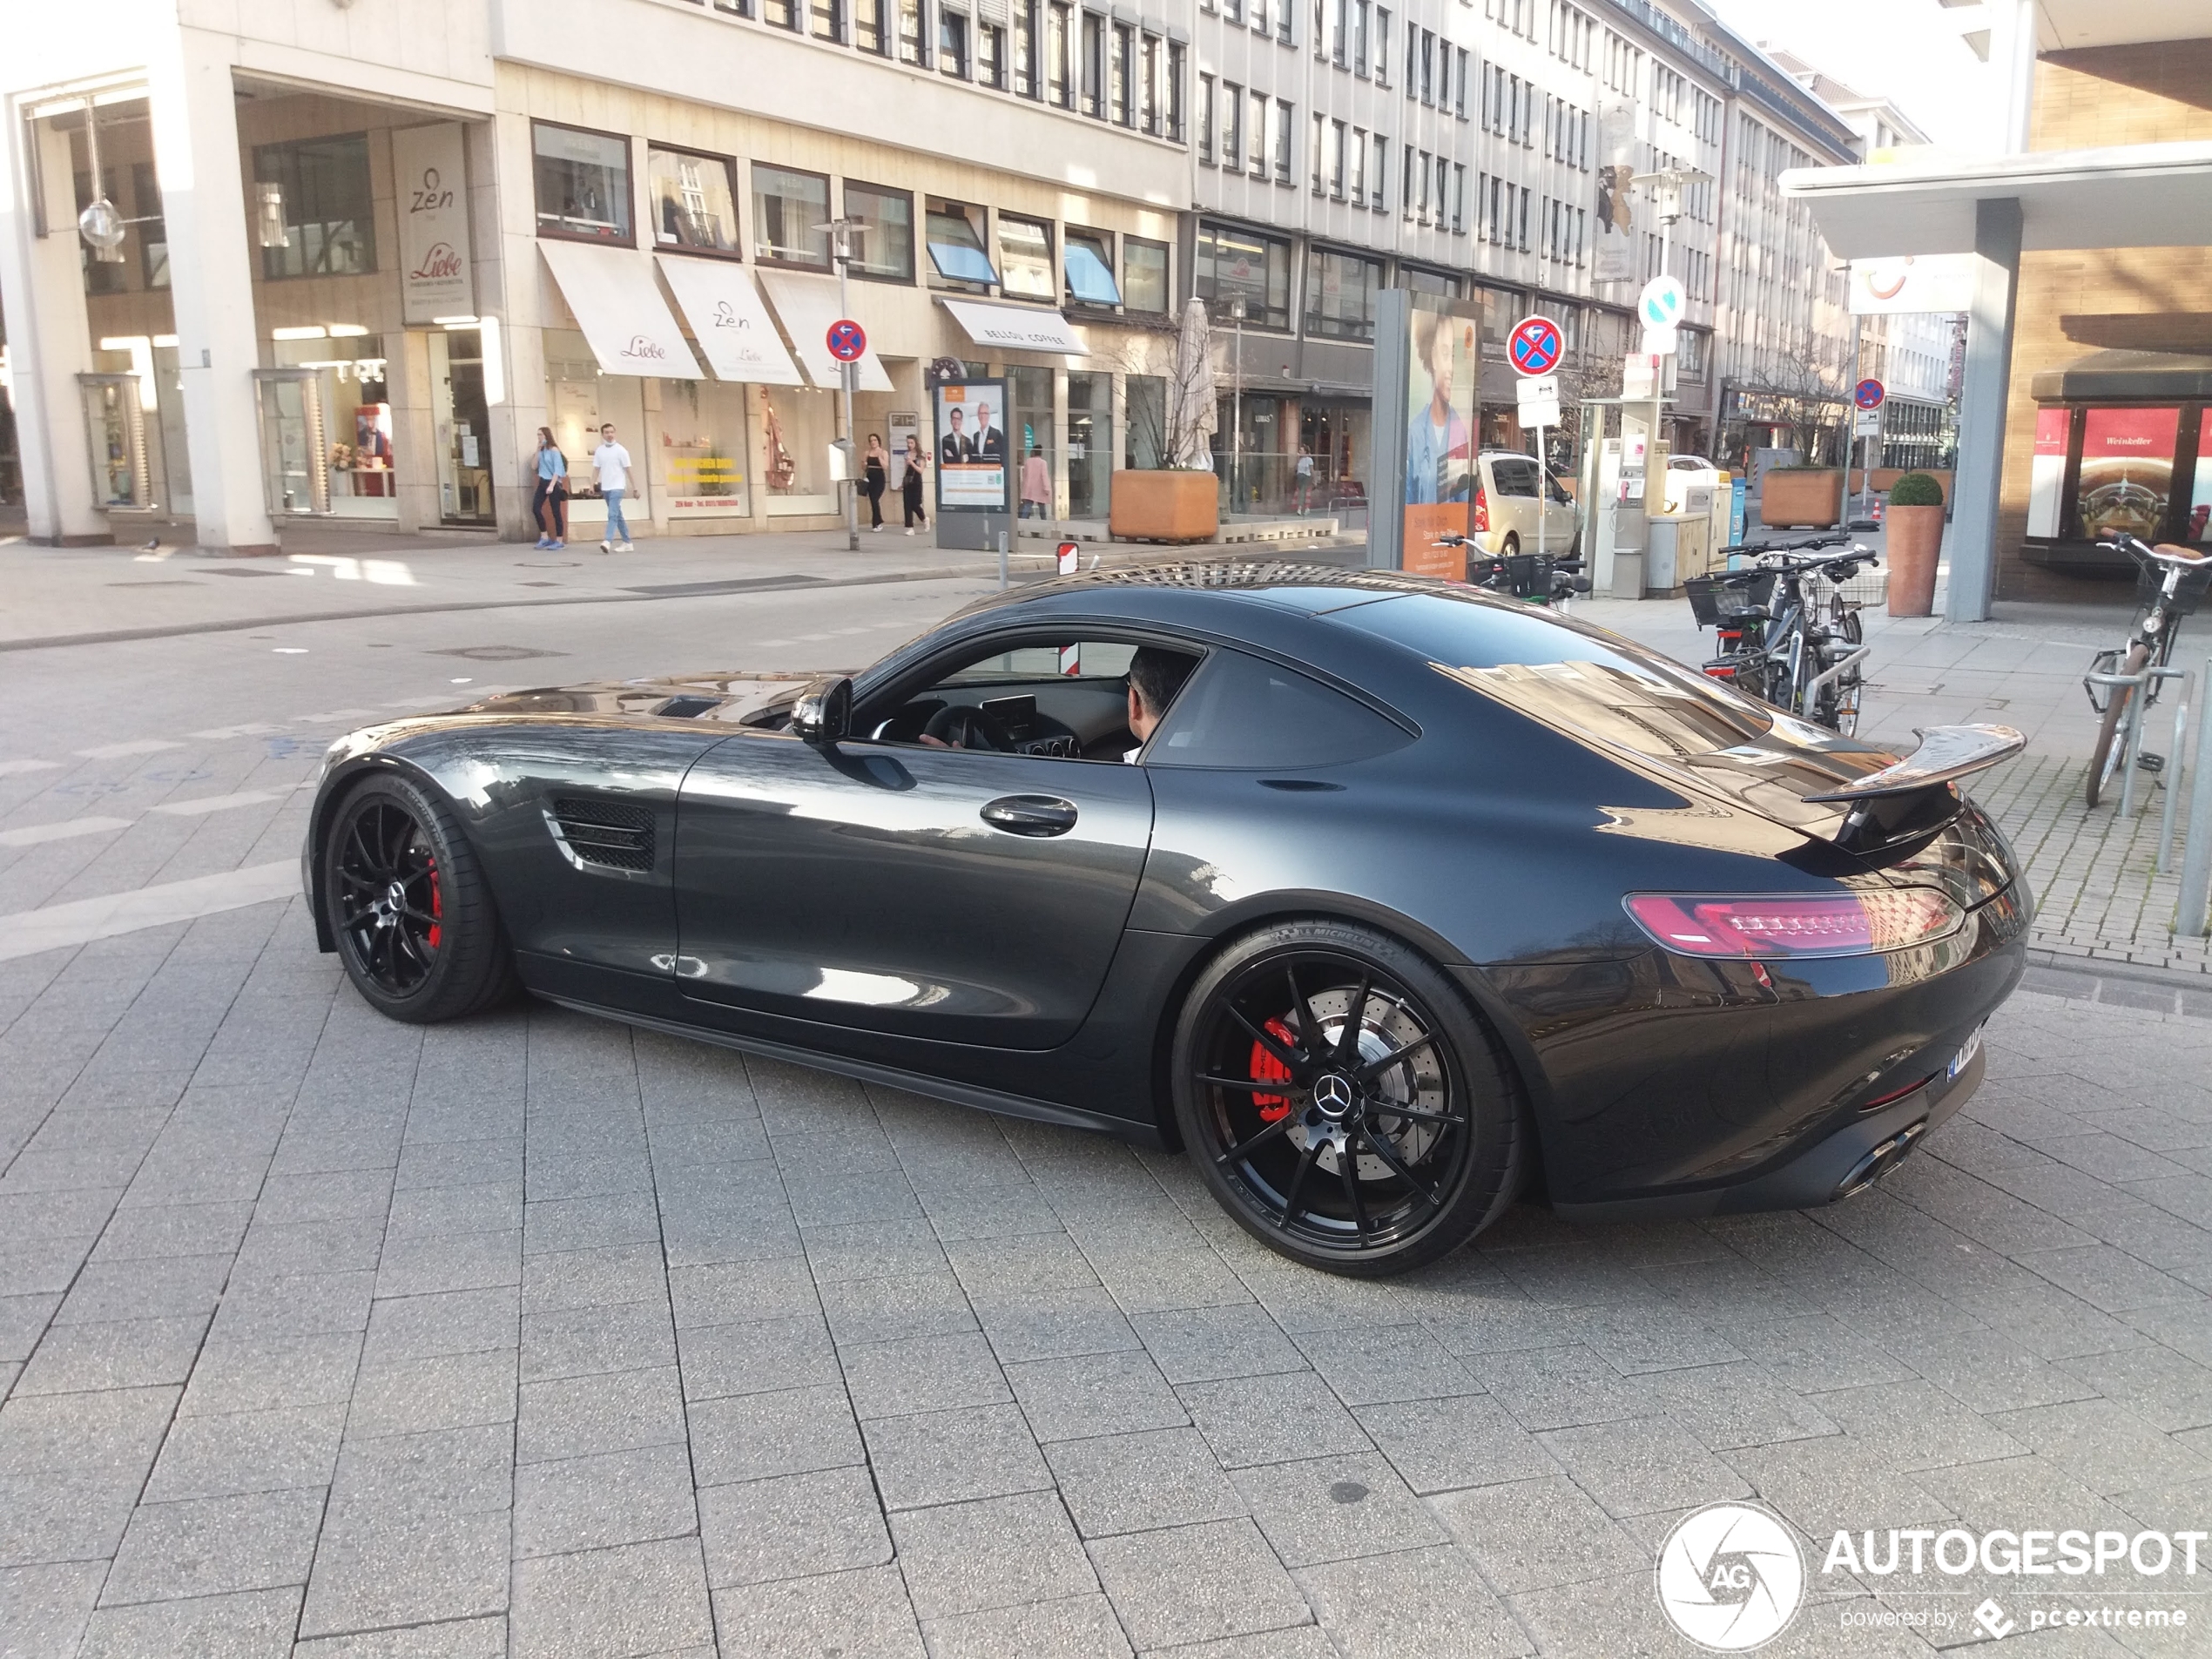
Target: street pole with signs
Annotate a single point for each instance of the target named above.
(843, 232)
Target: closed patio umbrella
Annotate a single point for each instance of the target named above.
(1191, 418)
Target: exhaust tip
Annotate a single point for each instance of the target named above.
(1880, 1160)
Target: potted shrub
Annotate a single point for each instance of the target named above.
(1802, 496)
(1914, 521)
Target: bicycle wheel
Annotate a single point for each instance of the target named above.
(1841, 715)
(2105, 759)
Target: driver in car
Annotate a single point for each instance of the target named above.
(1155, 677)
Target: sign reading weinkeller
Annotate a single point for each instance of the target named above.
(430, 166)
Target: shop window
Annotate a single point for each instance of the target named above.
(1144, 275)
(1422, 281)
(953, 234)
(1229, 264)
(797, 428)
(1025, 258)
(1090, 268)
(354, 399)
(702, 445)
(886, 246)
(786, 205)
(2099, 471)
(329, 215)
(1340, 295)
(694, 201)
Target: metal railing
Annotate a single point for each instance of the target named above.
(2130, 739)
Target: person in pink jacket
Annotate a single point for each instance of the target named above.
(1036, 485)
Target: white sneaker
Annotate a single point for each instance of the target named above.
(627, 547)
(910, 529)
(878, 529)
(605, 547)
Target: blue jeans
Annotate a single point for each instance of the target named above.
(618, 527)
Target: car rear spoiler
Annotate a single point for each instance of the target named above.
(1946, 752)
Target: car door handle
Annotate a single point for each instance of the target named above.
(1031, 814)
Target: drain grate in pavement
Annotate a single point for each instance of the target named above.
(672, 589)
(230, 572)
(174, 582)
(496, 653)
(537, 584)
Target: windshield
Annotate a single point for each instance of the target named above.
(1578, 679)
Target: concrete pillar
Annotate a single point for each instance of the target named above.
(1983, 393)
(1067, 466)
(194, 114)
(49, 338)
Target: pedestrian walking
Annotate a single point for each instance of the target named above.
(1305, 479)
(875, 475)
(611, 462)
(910, 486)
(550, 500)
(1036, 485)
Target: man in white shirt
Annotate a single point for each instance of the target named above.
(612, 462)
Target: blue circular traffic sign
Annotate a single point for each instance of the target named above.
(1534, 345)
(1869, 393)
(847, 340)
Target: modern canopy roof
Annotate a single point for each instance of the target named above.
(2145, 195)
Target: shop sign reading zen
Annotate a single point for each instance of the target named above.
(432, 171)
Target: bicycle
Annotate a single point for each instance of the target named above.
(1786, 633)
(2162, 599)
(1537, 578)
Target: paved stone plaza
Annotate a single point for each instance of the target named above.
(529, 1335)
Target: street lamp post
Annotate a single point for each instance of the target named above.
(1667, 187)
(843, 231)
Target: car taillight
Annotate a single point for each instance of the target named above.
(1786, 925)
(1720, 670)
(1481, 509)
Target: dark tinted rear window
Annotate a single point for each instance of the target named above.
(1240, 711)
(1580, 679)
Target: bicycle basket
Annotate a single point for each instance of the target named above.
(1529, 574)
(1712, 597)
(2187, 595)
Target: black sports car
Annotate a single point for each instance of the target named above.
(1387, 898)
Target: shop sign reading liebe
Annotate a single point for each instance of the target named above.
(431, 167)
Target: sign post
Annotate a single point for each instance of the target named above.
(1535, 349)
(1867, 396)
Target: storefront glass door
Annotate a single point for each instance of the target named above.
(462, 424)
(1030, 420)
(1090, 444)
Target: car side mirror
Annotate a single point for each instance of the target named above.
(824, 711)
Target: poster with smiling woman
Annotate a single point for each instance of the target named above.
(1440, 440)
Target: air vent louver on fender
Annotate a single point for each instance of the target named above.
(605, 833)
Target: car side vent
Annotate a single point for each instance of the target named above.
(607, 833)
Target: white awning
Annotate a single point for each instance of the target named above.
(807, 306)
(1017, 327)
(734, 328)
(2142, 195)
(618, 306)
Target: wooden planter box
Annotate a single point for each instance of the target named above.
(1813, 498)
(1169, 506)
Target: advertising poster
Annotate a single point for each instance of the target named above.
(435, 276)
(971, 447)
(1913, 283)
(2200, 525)
(1613, 252)
(2126, 472)
(1441, 425)
(2047, 470)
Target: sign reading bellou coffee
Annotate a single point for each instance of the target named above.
(430, 165)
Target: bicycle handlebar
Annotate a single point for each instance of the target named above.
(2123, 543)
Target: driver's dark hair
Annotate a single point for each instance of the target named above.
(1158, 675)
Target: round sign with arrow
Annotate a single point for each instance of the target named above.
(847, 340)
(1661, 304)
(1534, 345)
(1869, 393)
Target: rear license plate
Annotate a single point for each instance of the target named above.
(1964, 1057)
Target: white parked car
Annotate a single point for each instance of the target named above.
(1683, 472)
(1506, 507)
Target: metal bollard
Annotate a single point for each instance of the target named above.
(1001, 560)
(2173, 777)
(2197, 852)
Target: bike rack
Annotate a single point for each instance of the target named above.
(2196, 854)
(1812, 694)
(2131, 742)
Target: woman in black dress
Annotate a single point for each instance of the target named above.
(911, 486)
(875, 477)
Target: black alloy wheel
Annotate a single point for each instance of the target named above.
(1343, 1102)
(408, 905)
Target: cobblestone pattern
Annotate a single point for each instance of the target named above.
(326, 1336)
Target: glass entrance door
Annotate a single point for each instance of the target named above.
(1090, 443)
(115, 435)
(295, 444)
(463, 421)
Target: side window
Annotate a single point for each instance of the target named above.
(1245, 714)
(1515, 477)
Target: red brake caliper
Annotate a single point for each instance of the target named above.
(437, 909)
(1266, 1069)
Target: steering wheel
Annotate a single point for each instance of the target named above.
(966, 727)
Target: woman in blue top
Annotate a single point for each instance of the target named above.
(549, 502)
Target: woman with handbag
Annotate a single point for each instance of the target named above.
(910, 486)
(875, 475)
(550, 501)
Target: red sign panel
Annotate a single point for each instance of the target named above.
(2126, 471)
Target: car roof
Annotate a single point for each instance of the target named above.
(1299, 584)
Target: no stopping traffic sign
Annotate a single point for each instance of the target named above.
(1534, 345)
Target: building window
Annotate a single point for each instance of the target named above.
(1358, 167)
(1093, 64)
(870, 34)
(829, 19)
(695, 204)
(886, 246)
(1148, 85)
(1059, 48)
(1175, 90)
(329, 215)
(1382, 45)
(1377, 200)
(1459, 199)
(1230, 263)
(1443, 178)
(1284, 124)
(583, 184)
(1025, 258)
(786, 205)
(1089, 265)
(1313, 161)
(1144, 275)
(912, 48)
(1358, 36)
(990, 55)
(1341, 294)
(1122, 75)
(1205, 119)
(1232, 127)
(955, 237)
(1460, 87)
(1256, 158)
(1026, 84)
(782, 14)
(1338, 43)
(951, 43)
(1424, 281)
(1336, 159)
